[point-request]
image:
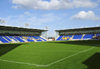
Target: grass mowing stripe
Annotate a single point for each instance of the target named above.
(50, 63)
(71, 55)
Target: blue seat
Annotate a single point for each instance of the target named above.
(7, 38)
(36, 38)
(88, 36)
(97, 34)
(41, 38)
(28, 38)
(59, 38)
(77, 37)
(12, 37)
(18, 38)
(3, 40)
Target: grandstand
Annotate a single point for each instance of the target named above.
(35, 54)
(88, 33)
(10, 34)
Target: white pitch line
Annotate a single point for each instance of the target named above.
(71, 56)
(50, 63)
(23, 63)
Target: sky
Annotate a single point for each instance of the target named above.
(54, 14)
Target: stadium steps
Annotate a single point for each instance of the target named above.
(6, 39)
(9, 38)
(33, 39)
(88, 36)
(57, 37)
(77, 37)
(94, 35)
(18, 38)
(68, 37)
(82, 36)
(36, 38)
(60, 38)
(1, 42)
(17, 41)
(23, 39)
(72, 37)
(12, 39)
(28, 38)
(44, 38)
(41, 39)
(97, 34)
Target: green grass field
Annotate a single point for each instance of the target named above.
(51, 55)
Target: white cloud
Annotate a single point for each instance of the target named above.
(53, 4)
(26, 13)
(97, 9)
(82, 15)
(16, 7)
(32, 19)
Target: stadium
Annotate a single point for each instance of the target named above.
(49, 34)
(26, 48)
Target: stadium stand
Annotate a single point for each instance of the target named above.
(97, 36)
(66, 37)
(0, 42)
(88, 36)
(88, 33)
(59, 38)
(18, 38)
(42, 38)
(36, 38)
(9, 39)
(3, 40)
(77, 37)
(13, 39)
(15, 34)
(28, 38)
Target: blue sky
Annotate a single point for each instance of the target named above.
(55, 14)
